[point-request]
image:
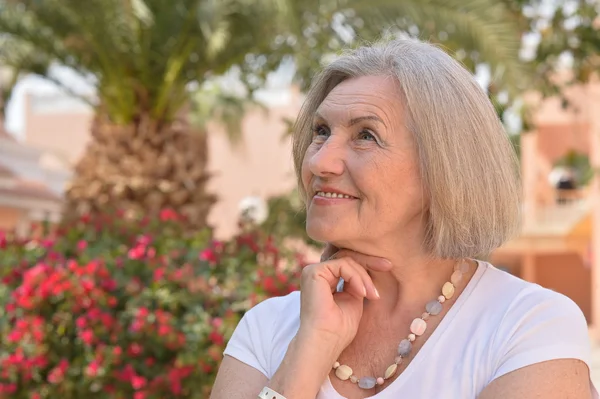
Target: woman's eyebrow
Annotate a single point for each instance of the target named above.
(356, 120)
(359, 119)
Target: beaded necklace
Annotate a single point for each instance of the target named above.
(417, 328)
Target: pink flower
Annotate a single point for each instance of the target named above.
(138, 382)
(168, 214)
(216, 338)
(136, 326)
(15, 336)
(136, 252)
(63, 365)
(35, 395)
(82, 245)
(87, 336)
(159, 274)
(151, 253)
(134, 349)
(217, 322)
(164, 329)
(92, 369)
(143, 312)
(8, 388)
(117, 351)
(112, 301)
(139, 395)
(208, 255)
(56, 375)
(81, 322)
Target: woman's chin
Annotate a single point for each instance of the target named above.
(324, 233)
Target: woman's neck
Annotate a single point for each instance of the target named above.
(411, 283)
(415, 279)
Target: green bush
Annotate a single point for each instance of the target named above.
(109, 308)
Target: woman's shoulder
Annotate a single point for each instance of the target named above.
(279, 312)
(529, 323)
(518, 295)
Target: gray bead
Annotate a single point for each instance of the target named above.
(367, 382)
(404, 348)
(433, 307)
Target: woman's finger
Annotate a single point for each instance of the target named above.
(356, 280)
(372, 292)
(369, 262)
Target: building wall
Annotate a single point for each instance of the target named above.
(59, 124)
(567, 274)
(9, 218)
(261, 166)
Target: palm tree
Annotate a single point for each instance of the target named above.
(142, 56)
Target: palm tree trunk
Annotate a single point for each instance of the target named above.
(142, 168)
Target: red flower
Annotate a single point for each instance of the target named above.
(138, 382)
(168, 214)
(143, 312)
(208, 255)
(150, 361)
(87, 336)
(81, 322)
(216, 338)
(56, 376)
(112, 301)
(136, 326)
(8, 388)
(82, 245)
(15, 336)
(159, 274)
(164, 329)
(35, 395)
(269, 285)
(92, 369)
(139, 395)
(117, 351)
(217, 322)
(137, 252)
(134, 349)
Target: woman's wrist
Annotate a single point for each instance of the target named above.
(305, 366)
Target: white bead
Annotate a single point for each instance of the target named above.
(418, 327)
(336, 365)
(448, 290)
(412, 337)
(441, 299)
(343, 372)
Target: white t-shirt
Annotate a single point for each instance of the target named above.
(499, 323)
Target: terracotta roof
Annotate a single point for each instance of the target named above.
(31, 190)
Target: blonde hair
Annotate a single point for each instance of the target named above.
(468, 166)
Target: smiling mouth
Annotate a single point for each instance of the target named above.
(324, 194)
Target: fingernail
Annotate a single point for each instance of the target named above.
(364, 291)
(377, 293)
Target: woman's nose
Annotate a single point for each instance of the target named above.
(328, 159)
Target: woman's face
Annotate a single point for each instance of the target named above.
(361, 170)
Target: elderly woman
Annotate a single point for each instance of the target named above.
(408, 176)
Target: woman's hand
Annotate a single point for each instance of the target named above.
(336, 315)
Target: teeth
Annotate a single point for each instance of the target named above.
(332, 195)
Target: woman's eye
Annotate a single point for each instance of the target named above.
(320, 131)
(366, 135)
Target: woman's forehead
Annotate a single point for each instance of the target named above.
(375, 96)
